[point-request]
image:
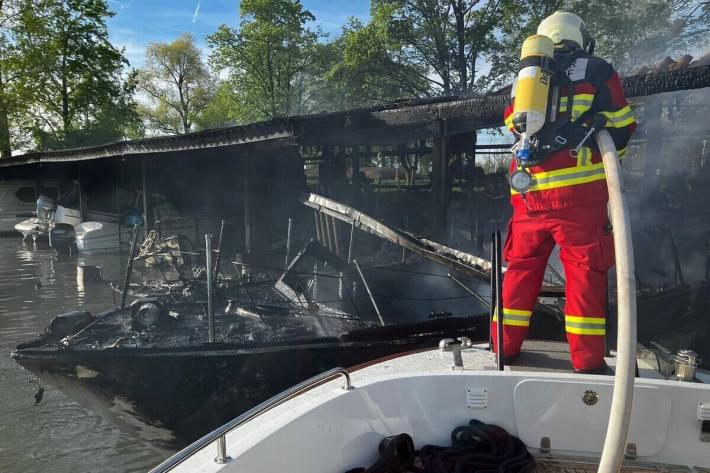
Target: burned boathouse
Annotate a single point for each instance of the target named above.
(254, 178)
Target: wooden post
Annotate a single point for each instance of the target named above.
(653, 151)
(440, 181)
(144, 186)
(355, 161)
(82, 198)
(247, 206)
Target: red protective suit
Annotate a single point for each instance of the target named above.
(566, 205)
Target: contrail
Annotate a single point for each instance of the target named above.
(197, 11)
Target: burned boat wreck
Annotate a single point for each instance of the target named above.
(153, 367)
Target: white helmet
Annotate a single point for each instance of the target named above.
(564, 26)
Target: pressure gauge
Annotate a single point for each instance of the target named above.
(521, 181)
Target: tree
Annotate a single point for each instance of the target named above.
(177, 84)
(627, 33)
(265, 56)
(72, 85)
(449, 37)
(9, 75)
(218, 112)
(519, 20)
(372, 67)
(631, 33)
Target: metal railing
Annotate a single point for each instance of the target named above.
(218, 435)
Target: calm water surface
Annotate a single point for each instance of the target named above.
(57, 435)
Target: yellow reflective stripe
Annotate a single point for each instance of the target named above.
(622, 152)
(566, 177)
(585, 331)
(586, 320)
(564, 171)
(585, 325)
(584, 157)
(507, 311)
(516, 323)
(516, 317)
(513, 321)
(580, 104)
(619, 118)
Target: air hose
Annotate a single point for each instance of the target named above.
(622, 397)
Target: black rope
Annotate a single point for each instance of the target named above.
(475, 448)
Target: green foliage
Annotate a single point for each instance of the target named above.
(177, 84)
(372, 68)
(265, 56)
(632, 33)
(520, 19)
(72, 87)
(448, 37)
(9, 105)
(219, 110)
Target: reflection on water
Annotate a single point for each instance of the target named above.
(57, 435)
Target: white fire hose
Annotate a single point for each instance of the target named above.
(623, 394)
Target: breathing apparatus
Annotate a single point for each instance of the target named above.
(535, 107)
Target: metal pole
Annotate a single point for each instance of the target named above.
(288, 241)
(470, 291)
(319, 235)
(369, 293)
(210, 287)
(499, 303)
(145, 199)
(219, 250)
(325, 230)
(350, 245)
(336, 237)
(129, 267)
(492, 285)
(222, 457)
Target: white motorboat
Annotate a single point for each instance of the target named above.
(95, 236)
(559, 416)
(18, 201)
(560, 421)
(40, 225)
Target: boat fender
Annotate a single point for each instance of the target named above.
(397, 454)
(147, 312)
(69, 323)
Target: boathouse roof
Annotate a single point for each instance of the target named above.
(396, 122)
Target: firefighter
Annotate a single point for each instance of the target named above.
(565, 202)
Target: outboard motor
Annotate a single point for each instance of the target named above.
(61, 236)
(46, 208)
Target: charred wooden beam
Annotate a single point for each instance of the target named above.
(487, 111)
(457, 260)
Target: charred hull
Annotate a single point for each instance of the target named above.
(171, 396)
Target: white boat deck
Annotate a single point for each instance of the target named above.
(425, 395)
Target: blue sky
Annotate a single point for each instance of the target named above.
(140, 22)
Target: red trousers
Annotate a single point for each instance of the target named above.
(587, 252)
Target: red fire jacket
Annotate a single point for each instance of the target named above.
(562, 181)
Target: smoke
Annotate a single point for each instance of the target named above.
(667, 179)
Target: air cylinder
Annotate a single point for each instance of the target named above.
(532, 88)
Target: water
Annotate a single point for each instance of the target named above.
(57, 435)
